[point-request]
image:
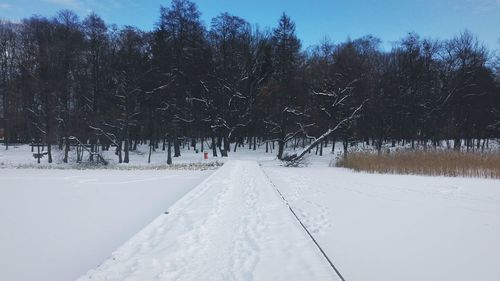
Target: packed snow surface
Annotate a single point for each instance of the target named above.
(57, 224)
(233, 226)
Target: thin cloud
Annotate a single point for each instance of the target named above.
(4, 6)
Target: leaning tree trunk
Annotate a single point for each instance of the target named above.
(316, 142)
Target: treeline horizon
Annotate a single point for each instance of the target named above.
(65, 79)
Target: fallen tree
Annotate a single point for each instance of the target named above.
(296, 159)
(337, 105)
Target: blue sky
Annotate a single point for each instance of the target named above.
(389, 20)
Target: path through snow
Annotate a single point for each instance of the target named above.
(233, 226)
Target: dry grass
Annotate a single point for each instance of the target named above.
(434, 163)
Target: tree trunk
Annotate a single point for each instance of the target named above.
(77, 153)
(227, 147)
(214, 147)
(38, 158)
(177, 148)
(150, 151)
(66, 150)
(346, 143)
(193, 143)
(5, 132)
(91, 156)
(126, 159)
(119, 149)
(219, 145)
(49, 152)
(457, 144)
(223, 148)
(5, 115)
(169, 151)
(281, 148)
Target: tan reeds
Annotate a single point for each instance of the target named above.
(435, 163)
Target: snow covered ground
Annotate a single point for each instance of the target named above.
(234, 225)
(393, 227)
(57, 224)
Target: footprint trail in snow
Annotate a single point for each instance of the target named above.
(233, 226)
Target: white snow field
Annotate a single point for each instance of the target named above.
(57, 224)
(233, 226)
(394, 227)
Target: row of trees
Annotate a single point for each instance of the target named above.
(63, 78)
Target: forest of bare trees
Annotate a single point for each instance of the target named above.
(65, 79)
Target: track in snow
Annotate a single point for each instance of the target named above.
(233, 226)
